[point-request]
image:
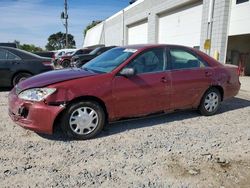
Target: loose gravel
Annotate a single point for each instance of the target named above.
(180, 149)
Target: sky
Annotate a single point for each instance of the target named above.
(33, 21)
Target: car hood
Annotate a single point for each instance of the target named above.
(53, 77)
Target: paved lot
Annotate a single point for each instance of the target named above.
(177, 150)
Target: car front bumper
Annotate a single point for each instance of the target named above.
(36, 116)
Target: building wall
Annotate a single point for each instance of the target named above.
(216, 29)
(240, 18)
(113, 30)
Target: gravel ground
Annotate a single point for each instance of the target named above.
(174, 150)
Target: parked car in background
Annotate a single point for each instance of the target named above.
(8, 44)
(80, 60)
(46, 54)
(65, 59)
(124, 82)
(16, 65)
(63, 51)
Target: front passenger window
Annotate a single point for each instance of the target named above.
(182, 59)
(150, 61)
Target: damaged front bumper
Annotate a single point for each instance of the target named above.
(36, 116)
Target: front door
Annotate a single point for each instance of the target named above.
(146, 92)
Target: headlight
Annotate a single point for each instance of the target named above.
(36, 94)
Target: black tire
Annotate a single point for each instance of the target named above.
(20, 77)
(79, 64)
(66, 64)
(67, 116)
(205, 108)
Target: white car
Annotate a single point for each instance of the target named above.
(63, 51)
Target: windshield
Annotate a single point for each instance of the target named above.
(109, 60)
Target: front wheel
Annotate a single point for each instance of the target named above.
(83, 120)
(210, 102)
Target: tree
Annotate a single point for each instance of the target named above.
(57, 41)
(91, 25)
(28, 47)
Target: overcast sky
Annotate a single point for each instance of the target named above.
(32, 21)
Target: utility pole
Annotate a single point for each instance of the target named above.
(64, 15)
(66, 21)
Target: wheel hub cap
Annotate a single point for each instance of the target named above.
(211, 101)
(83, 120)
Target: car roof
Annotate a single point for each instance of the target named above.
(143, 46)
(22, 53)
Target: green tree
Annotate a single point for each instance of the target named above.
(91, 25)
(57, 41)
(28, 47)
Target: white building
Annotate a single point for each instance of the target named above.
(226, 23)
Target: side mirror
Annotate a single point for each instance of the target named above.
(128, 72)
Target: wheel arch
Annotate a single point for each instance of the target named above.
(221, 90)
(78, 99)
(18, 72)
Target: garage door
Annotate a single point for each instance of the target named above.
(138, 34)
(182, 27)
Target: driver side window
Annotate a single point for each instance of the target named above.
(149, 61)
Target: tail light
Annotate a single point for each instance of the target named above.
(46, 63)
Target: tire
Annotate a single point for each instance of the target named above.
(83, 120)
(66, 64)
(210, 102)
(79, 64)
(20, 77)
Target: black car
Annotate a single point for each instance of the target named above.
(80, 60)
(64, 60)
(17, 65)
(46, 54)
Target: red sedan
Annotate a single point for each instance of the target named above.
(124, 82)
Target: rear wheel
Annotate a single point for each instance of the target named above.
(83, 120)
(210, 102)
(20, 77)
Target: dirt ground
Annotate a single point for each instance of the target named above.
(175, 150)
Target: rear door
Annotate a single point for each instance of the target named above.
(146, 92)
(9, 62)
(4, 69)
(191, 77)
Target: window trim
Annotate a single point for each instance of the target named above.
(189, 51)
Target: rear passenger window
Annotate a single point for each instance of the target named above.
(12, 56)
(182, 59)
(3, 55)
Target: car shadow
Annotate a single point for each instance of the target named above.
(150, 121)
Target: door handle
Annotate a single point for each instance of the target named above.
(164, 80)
(15, 63)
(208, 73)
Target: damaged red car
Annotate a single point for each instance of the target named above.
(125, 82)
